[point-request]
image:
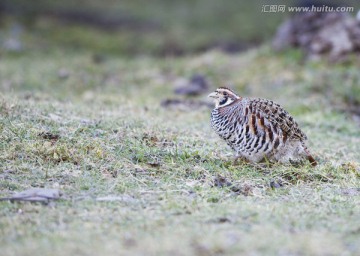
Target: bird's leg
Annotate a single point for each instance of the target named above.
(237, 157)
(267, 161)
(235, 160)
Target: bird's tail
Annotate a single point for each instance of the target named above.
(310, 157)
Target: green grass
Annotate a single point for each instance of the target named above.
(116, 139)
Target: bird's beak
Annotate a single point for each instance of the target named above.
(212, 95)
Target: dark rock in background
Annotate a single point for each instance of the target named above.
(195, 86)
(334, 35)
(184, 104)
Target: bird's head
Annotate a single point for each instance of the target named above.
(223, 96)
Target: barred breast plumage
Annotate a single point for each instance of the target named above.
(257, 128)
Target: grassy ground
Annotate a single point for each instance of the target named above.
(172, 172)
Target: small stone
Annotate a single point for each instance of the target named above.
(275, 184)
(195, 86)
(63, 73)
(35, 195)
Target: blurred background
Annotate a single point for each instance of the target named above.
(125, 27)
(128, 27)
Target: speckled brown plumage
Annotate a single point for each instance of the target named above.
(257, 129)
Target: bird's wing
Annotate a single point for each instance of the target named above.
(277, 116)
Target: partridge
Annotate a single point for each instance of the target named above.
(258, 129)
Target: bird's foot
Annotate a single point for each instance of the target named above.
(242, 159)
